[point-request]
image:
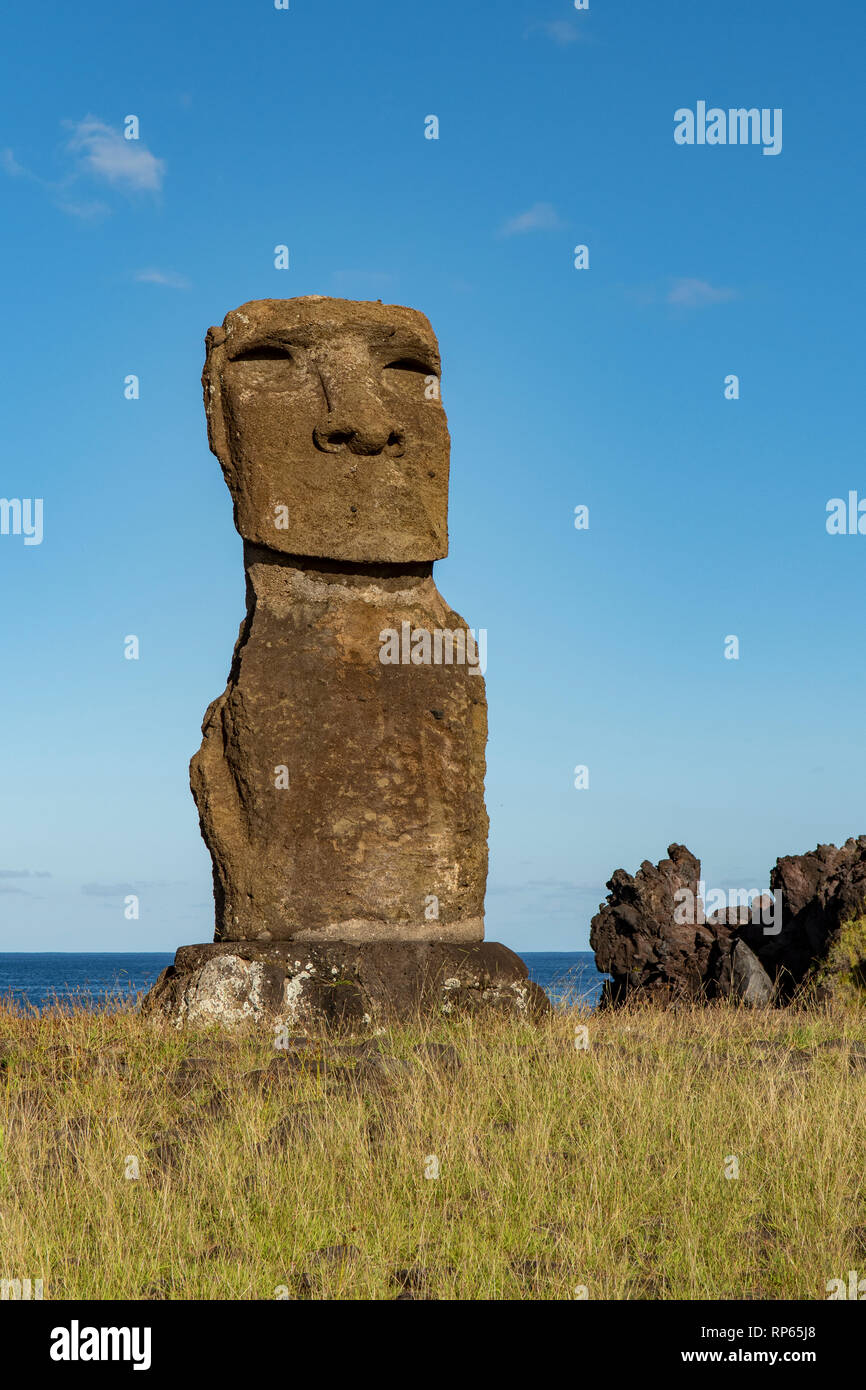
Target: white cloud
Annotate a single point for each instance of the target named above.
(562, 31)
(88, 210)
(541, 217)
(11, 166)
(549, 888)
(105, 154)
(101, 153)
(169, 278)
(117, 890)
(698, 294)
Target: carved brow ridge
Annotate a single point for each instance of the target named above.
(406, 356)
(401, 348)
(265, 345)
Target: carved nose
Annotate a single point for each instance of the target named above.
(357, 422)
(359, 436)
(338, 433)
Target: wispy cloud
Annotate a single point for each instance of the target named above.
(541, 217)
(88, 210)
(100, 154)
(562, 31)
(9, 889)
(168, 278)
(103, 153)
(548, 888)
(10, 166)
(698, 294)
(682, 293)
(119, 890)
(106, 890)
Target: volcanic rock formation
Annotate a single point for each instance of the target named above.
(649, 945)
(654, 938)
(822, 943)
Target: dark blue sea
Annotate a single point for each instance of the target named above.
(37, 979)
(567, 977)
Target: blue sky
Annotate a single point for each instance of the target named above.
(602, 387)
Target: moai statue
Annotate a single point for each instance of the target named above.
(340, 781)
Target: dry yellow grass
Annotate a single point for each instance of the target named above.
(559, 1168)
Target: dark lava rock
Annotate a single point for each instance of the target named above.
(738, 972)
(823, 937)
(817, 942)
(637, 939)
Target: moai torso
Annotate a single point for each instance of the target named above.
(340, 782)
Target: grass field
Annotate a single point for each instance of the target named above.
(697, 1153)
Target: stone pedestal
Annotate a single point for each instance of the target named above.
(227, 984)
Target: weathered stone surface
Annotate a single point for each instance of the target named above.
(329, 408)
(817, 945)
(341, 795)
(229, 984)
(340, 781)
(379, 829)
(637, 940)
(739, 974)
(822, 944)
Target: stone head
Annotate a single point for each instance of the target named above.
(325, 416)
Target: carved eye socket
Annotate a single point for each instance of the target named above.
(410, 364)
(265, 353)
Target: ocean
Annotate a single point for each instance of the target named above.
(567, 977)
(38, 979)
